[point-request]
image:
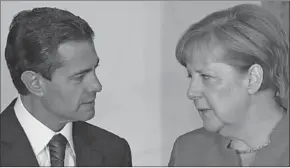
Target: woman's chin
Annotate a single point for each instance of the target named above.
(212, 127)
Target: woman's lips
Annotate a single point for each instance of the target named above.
(202, 110)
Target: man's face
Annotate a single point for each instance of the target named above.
(71, 93)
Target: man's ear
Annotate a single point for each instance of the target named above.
(33, 82)
(255, 78)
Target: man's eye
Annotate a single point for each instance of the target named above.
(79, 78)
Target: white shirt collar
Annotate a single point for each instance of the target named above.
(38, 134)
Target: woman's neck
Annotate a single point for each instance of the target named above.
(255, 130)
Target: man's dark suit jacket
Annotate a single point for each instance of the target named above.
(93, 146)
(203, 148)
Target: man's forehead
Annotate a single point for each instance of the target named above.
(74, 50)
(77, 56)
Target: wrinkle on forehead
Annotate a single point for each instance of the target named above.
(70, 49)
(199, 53)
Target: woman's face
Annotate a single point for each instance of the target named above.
(218, 91)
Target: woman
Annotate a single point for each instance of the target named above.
(237, 62)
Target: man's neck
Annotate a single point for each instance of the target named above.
(36, 109)
(255, 130)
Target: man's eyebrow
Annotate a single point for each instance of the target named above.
(83, 71)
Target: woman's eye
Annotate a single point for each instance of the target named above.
(189, 76)
(206, 77)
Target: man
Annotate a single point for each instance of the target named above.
(52, 60)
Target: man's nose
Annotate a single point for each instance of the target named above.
(95, 85)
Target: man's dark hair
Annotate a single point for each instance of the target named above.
(34, 37)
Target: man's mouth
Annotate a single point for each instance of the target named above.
(89, 102)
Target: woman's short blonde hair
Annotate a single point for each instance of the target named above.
(250, 35)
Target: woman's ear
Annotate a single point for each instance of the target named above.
(33, 83)
(255, 78)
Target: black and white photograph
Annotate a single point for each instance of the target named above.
(144, 84)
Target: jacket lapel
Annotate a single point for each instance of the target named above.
(87, 153)
(273, 155)
(15, 147)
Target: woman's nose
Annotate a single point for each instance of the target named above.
(192, 95)
(195, 90)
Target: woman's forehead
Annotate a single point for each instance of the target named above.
(201, 55)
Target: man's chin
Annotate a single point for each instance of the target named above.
(88, 115)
